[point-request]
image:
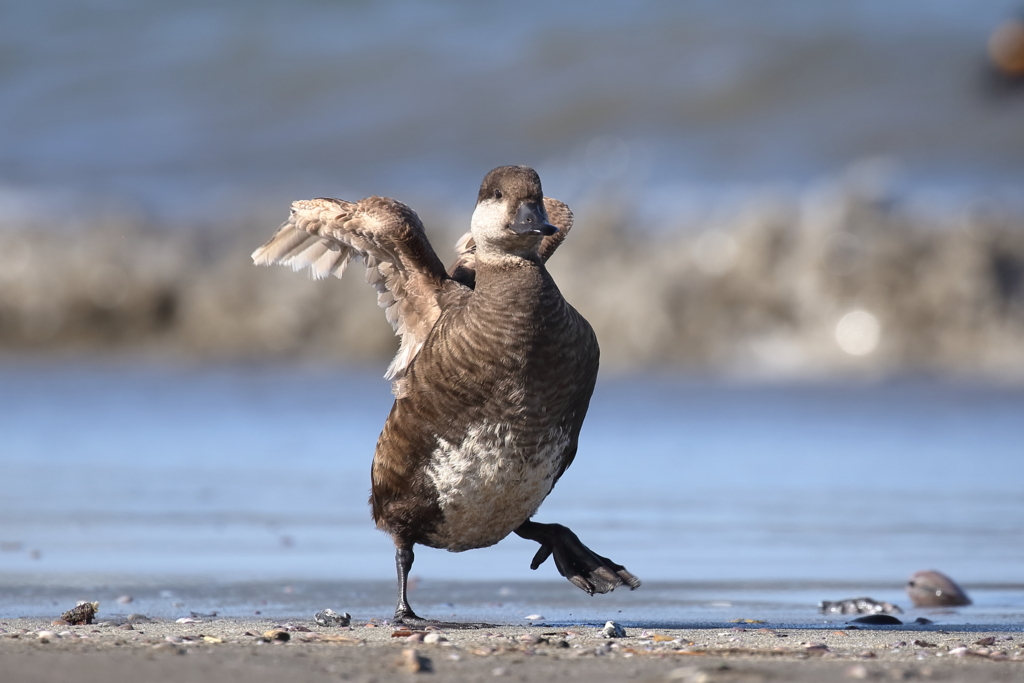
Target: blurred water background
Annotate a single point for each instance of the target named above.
(799, 236)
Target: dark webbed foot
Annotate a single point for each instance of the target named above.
(582, 566)
(407, 617)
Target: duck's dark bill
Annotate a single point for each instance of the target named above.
(530, 220)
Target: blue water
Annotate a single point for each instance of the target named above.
(242, 488)
(257, 472)
(170, 111)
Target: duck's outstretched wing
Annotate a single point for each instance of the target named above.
(561, 217)
(464, 268)
(325, 234)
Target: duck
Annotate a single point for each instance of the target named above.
(492, 379)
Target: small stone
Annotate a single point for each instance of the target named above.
(125, 599)
(126, 627)
(82, 614)
(137, 619)
(414, 662)
(613, 630)
(499, 671)
(296, 628)
(47, 636)
(858, 606)
(186, 620)
(935, 589)
(434, 638)
(877, 620)
(533, 617)
(329, 617)
(985, 641)
(277, 635)
(60, 622)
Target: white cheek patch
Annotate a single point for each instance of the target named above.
(489, 223)
(491, 483)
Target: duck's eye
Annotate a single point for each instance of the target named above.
(497, 194)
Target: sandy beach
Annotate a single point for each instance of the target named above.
(254, 650)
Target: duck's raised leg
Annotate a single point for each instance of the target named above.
(582, 566)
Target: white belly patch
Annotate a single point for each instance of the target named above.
(491, 483)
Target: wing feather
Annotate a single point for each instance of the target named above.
(325, 234)
(561, 217)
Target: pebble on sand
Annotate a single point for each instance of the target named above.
(414, 662)
(82, 614)
(858, 606)
(931, 588)
(613, 630)
(877, 620)
(277, 635)
(329, 617)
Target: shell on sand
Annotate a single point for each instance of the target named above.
(934, 589)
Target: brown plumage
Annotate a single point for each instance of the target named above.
(493, 377)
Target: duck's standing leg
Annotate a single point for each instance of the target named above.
(403, 561)
(586, 569)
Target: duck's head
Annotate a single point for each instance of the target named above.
(510, 216)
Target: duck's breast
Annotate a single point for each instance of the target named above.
(492, 481)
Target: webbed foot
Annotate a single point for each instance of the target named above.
(587, 570)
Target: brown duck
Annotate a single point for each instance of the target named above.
(492, 379)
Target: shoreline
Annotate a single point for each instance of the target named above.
(763, 290)
(228, 649)
(659, 604)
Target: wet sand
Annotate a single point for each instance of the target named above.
(236, 649)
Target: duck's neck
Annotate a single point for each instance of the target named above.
(513, 283)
